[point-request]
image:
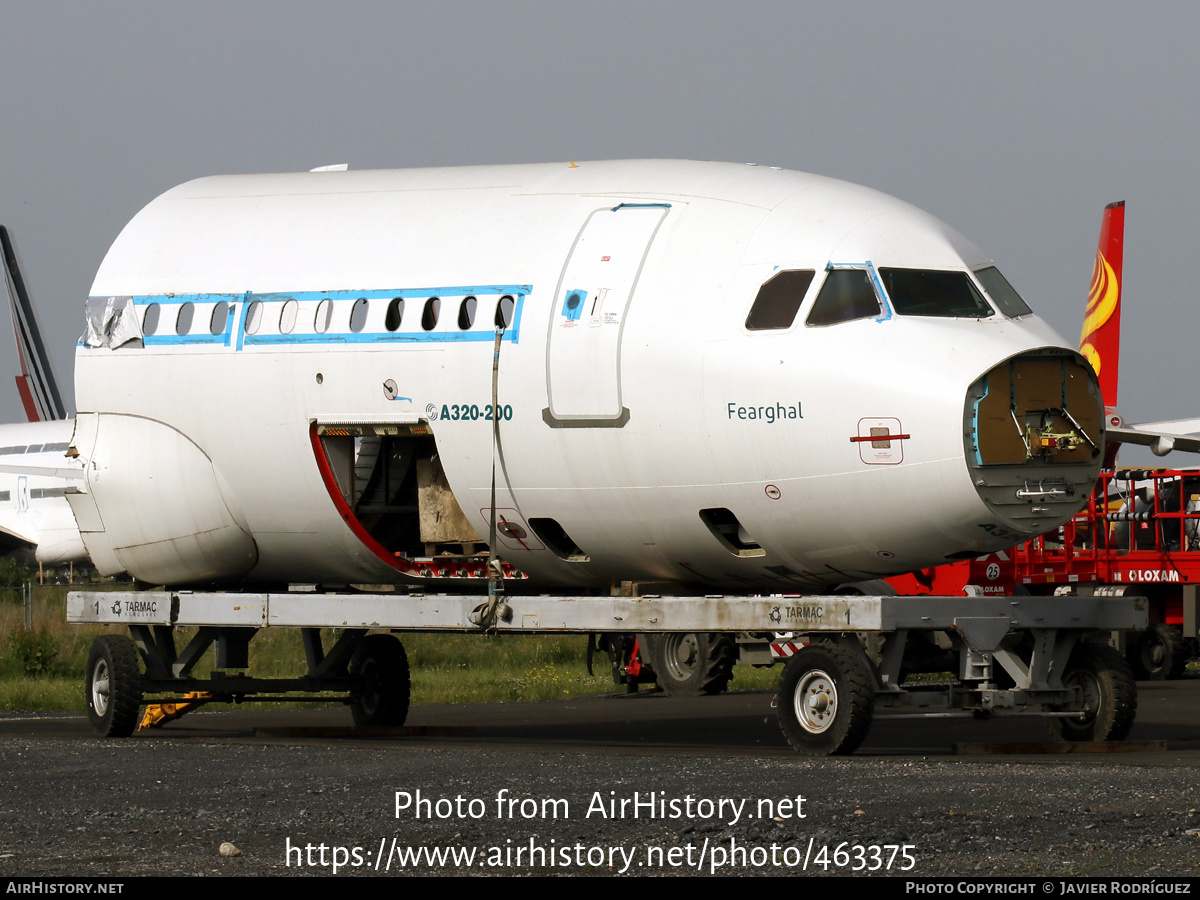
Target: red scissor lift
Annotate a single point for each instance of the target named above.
(1139, 534)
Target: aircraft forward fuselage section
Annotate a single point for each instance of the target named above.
(307, 395)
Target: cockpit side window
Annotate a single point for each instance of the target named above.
(846, 295)
(921, 292)
(1003, 294)
(777, 301)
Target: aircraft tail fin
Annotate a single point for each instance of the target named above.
(36, 384)
(1100, 340)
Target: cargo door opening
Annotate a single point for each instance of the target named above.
(388, 484)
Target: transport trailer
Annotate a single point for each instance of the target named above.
(844, 658)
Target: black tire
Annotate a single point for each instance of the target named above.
(113, 686)
(826, 701)
(692, 663)
(383, 699)
(1160, 653)
(1109, 696)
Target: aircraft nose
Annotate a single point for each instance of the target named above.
(1034, 432)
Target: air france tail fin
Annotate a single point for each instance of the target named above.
(1100, 341)
(36, 384)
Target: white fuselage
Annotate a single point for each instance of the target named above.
(627, 414)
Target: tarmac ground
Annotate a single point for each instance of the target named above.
(599, 785)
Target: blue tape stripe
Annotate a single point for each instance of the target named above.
(883, 294)
(301, 296)
(975, 421)
(380, 337)
(152, 340)
(513, 333)
(241, 315)
(876, 283)
(384, 337)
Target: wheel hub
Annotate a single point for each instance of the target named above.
(816, 701)
(1090, 692)
(1155, 653)
(100, 687)
(681, 655)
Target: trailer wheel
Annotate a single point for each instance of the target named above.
(114, 686)
(691, 664)
(1109, 696)
(826, 701)
(1159, 654)
(383, 699)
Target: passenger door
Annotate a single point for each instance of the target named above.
(583, 366)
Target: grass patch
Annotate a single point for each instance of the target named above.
(43, 669)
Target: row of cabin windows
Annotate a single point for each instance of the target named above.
(36, 494)
(394, 316)
(33, 448)
(847, 294)
(46, 493)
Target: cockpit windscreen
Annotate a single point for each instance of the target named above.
(921, 292)
(1003, 294)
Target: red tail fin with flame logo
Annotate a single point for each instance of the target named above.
(1100, 341)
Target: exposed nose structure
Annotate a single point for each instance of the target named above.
(1034, 433)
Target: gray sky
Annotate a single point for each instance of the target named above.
(1013, 122)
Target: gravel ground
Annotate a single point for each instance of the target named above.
(94, 808)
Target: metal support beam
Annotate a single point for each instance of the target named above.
(193, 651)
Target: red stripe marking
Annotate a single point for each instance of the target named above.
(880, 437)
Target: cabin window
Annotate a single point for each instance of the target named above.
(358, 314)
(429, 316)
(254, 317)
(778, 300)
(921, 292)
(395, 313)
(287, 316)
(504, 311)
(466, 313)
(219, 318)
(1003, 294)
(846, 295)
(324, 316)
(150, 320)
(733, 536)
(183, 321)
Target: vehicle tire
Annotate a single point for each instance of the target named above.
(826, 700)
(1159, 653)
(691, 664)
(1109, 696)
(113, 689)
(382, 701)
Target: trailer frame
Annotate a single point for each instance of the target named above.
(845, 656)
